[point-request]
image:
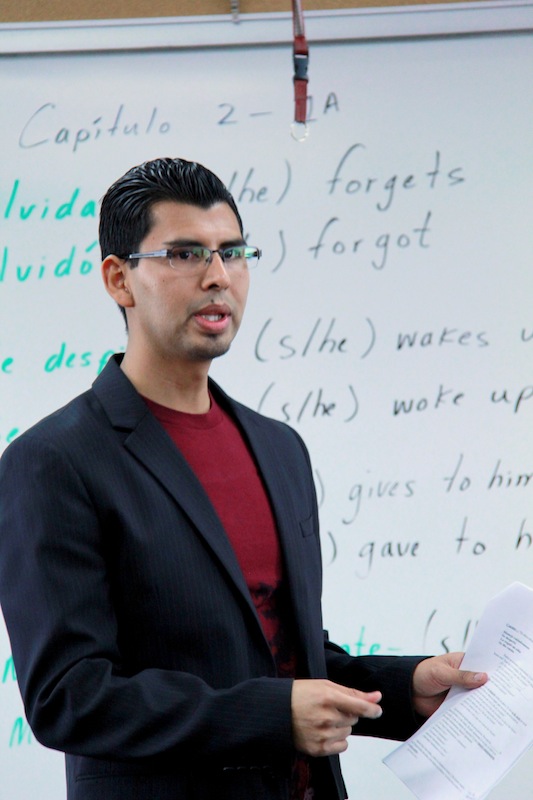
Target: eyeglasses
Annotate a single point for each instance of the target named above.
(187, 259)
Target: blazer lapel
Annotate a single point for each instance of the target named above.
(146, 440)
(278, 481)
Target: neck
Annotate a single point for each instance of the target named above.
(178, 386)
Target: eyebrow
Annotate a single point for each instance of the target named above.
(239, 242)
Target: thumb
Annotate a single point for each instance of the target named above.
(471, 680)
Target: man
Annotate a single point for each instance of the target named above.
(160, 563)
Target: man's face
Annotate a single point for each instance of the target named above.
(177, 317)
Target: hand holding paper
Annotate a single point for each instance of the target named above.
(475, 737)
(434, 677)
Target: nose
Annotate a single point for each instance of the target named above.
(216, 273)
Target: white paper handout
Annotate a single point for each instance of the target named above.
(475, 737)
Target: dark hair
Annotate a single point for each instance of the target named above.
(125, 212)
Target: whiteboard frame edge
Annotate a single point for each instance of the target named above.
(357, 24)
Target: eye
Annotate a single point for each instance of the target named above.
(233, 253)
(190, 254)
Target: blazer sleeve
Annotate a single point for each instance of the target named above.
(57, 602)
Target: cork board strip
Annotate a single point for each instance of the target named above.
(37, 11)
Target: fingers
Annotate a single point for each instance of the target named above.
(463, 677)
(448, 672)
(362, 704)
(434, 676)
(323, 714)
(437, 674)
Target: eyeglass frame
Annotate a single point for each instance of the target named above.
(208, 259)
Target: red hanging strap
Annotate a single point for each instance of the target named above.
(301, 61)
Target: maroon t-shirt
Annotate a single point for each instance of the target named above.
(214, 448)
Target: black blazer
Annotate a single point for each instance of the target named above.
(137, 646)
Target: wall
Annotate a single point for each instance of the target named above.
(389, 322)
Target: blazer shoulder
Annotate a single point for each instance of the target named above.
(51, 426)
(110, 403)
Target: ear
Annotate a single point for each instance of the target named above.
(115, 275)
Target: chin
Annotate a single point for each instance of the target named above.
(216, 350)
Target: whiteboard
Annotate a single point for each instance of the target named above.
(389, 322)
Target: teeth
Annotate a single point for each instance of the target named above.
(212, 317)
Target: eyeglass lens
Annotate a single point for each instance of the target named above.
(186, 257)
